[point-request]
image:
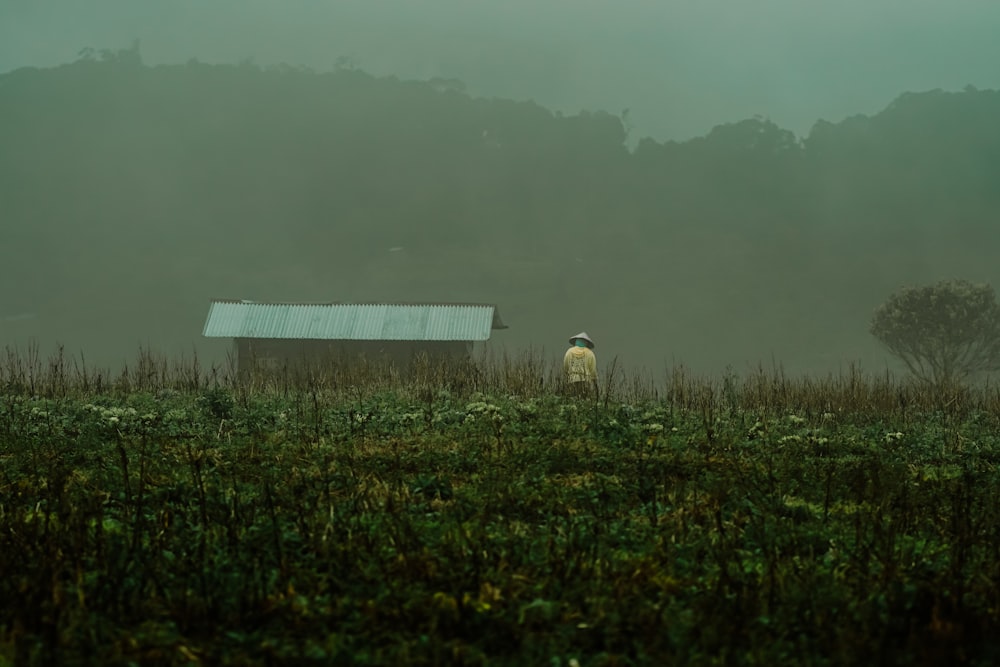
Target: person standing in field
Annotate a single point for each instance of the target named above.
(580, 365)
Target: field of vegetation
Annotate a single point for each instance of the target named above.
(175, 515)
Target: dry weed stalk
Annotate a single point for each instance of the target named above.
(527, 375)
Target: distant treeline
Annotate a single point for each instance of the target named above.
(126, 187)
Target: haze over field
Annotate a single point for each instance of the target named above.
(695, 211)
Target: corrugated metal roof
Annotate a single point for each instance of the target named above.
(352, 321)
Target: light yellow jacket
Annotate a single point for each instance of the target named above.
(580, 364)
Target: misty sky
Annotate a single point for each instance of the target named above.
(680, 66)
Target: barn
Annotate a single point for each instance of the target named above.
(275, 335)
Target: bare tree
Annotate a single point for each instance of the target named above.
(943, 332)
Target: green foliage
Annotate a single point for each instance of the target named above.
(944, 332)
(764, 522)
(218, 402)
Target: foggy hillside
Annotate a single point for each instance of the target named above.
(134, 194)
(680, 66)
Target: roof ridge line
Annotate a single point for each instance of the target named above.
(250, 302)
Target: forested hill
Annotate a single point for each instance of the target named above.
(131, 195)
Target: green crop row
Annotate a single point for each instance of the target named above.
(423, 525)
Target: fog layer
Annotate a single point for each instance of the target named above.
(134, 194)
(681, 67)
(697, 210)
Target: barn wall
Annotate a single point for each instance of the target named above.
(280, 353)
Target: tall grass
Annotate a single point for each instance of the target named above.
(526, 374)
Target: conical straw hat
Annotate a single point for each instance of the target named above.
(584, 337)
